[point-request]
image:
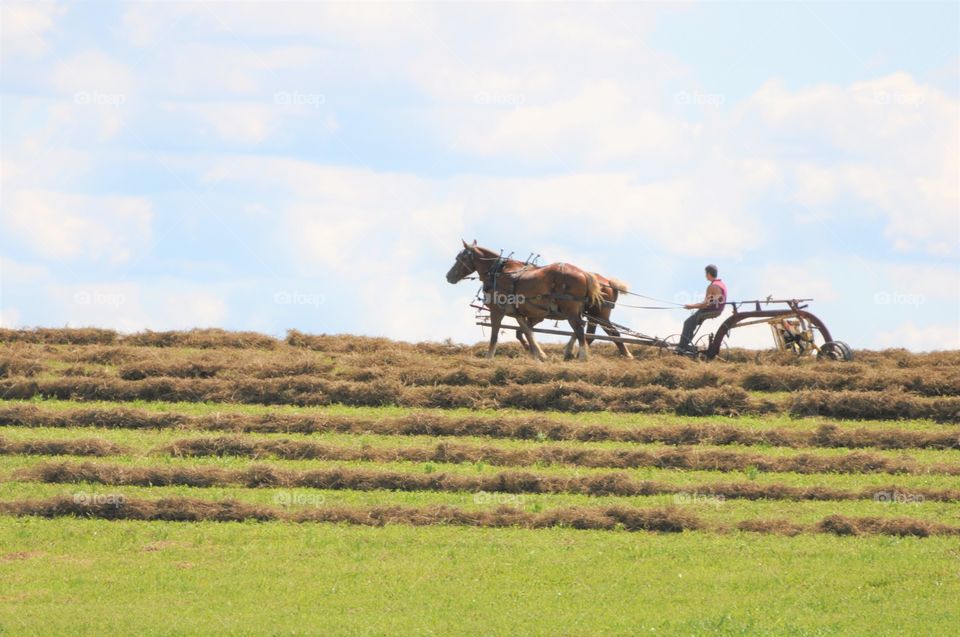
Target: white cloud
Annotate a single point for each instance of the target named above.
(783, 281)
(926, 281)
(131, 307)
(890, 142)
(26, 27)
(243, 123)
(93, 72)
(922, 338)
(371, 209)
(68, 226)
(238, 70)
(9, 317)
(599, 124)
(20, 273)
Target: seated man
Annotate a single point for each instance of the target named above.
(711, 307)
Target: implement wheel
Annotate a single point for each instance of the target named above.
(835, 351)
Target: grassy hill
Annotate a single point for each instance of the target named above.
(233, 483)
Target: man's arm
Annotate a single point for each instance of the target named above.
(714, 293)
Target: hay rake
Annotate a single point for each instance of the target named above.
(794, 329)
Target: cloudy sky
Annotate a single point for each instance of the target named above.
(266, 166)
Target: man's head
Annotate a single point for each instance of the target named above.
(711, 272)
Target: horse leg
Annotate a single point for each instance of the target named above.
(580, 334)
(523, 341)
(612, 331)
(568, 350)
(495, 319)
(535, 349)
(591, 329)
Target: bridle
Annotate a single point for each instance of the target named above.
(463, 262)
(468, 263)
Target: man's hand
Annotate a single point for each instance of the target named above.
(691, 306)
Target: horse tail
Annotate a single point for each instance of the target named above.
(618, 285)
(594, 294)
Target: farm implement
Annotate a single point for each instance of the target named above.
(793, 327)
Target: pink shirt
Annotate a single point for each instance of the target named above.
(723, 289)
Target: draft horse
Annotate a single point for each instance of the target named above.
(610, 290)
(530, 294)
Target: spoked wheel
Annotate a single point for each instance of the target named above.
(668, 345)
(835, 351)
(703, 344)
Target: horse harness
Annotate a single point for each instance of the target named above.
(493, 292)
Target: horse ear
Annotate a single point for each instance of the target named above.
(464, 243)
(474, 243)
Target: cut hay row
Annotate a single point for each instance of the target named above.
(569, 397)
(693, 459)
(414, 370)
(76, 447)
(346, 346)
(508, 428)
(199, 338)
(611, 518)
(687, 458)
(343, 478)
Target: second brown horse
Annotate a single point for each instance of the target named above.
(530, 294)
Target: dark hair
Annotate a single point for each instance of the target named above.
(711, 270)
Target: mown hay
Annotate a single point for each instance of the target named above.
(610, 518)
(693, 459)
(357, 479)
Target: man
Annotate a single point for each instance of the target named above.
(710, 307)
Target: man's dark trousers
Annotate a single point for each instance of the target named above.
(695, 319)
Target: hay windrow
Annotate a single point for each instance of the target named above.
(573, 396)
(345, 478)
(76, 447)
(688, 458)
(609, 518)
(514, 428)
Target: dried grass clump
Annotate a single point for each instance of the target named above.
(362, 479)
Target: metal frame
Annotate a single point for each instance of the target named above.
(756, 316)
(795, 308)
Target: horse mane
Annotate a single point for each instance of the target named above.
(486, 252)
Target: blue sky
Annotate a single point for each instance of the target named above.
(268, 166)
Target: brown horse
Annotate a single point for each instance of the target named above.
(530, 293)
(610, 289)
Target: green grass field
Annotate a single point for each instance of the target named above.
(76, 559)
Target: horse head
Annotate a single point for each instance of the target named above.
(464, 264)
